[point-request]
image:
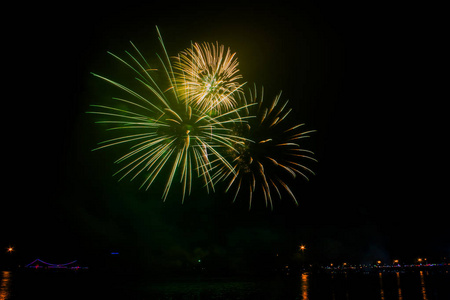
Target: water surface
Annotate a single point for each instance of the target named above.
(420, 285)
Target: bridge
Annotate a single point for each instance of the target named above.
(40, 264)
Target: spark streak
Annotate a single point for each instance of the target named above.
(187, 118)
(267, 156)
(168, 134)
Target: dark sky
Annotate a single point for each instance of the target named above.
(363, 75)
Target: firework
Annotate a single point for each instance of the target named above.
(207, 77)
(168, 135)
(270, 154)
(186, 118)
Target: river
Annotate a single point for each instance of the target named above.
(411, 285)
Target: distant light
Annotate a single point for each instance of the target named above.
(114, 253)
(199, 261)
(10, 249)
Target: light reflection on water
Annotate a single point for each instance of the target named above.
(422, 285)
(397, 285)
(400, 297)
(389, 285)
(5, 285)
(380, 275)
(305, 286)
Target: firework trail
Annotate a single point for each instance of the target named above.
(270, 153)
(168, 135)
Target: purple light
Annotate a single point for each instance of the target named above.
(57, 266)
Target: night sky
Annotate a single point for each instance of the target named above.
(362, 75)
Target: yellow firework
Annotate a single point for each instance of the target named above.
(207, 77)
(167, 136)
(187, 119)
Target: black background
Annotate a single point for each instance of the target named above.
(364, 75)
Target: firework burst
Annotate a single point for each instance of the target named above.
(168, 136)
(186, 118)
(207, 77)
(270, 154)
